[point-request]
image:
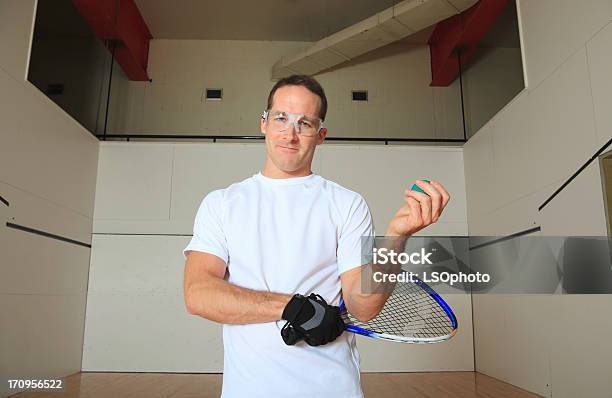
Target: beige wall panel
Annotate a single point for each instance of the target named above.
(581, 354)
(441, 228)
(43, 150)
(513, 334)
(600, 64)
(480, 181)
(563, 120)
(34, 212)
(511, 144)
(382, 173)
(10, 114)
(135, 182)
(131, 332)
(521, 214)
(197, 169)
(34, 264)
(136, 315)
(45, 340)
(538, 137)
(137, 264)
(66, 152)
(16, 18)
(124, 192)
(554, 29)
(202, 168)
(579, 209)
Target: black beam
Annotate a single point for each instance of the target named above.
(261, 137)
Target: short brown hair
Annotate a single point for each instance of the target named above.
(305, 81)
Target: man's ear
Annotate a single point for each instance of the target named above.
(321, 136)
(262, 123)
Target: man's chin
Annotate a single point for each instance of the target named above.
(289, 167)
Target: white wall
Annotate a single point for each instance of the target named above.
(136, 319)
(513, 164)
(47, 173)
(397, 77)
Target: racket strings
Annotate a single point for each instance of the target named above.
(409, 312)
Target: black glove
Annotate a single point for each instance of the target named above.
(312, 319)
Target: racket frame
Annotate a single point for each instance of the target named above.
(416, 340)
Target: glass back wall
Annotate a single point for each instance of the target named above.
(494, 74)
(70, 64)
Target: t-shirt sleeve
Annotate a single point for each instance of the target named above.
(208, 234)
(356, 236)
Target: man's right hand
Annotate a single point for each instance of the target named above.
(312, 319)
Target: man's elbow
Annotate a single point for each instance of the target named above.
(190, 303)
(194, 302)
(365, 316)
(365, 313)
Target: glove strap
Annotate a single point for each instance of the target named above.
(293, 307)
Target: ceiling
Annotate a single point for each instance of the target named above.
(274, 20)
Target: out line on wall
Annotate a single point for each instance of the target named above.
(46, 234)
(573, 176)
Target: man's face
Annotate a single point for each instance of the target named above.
(290, 154)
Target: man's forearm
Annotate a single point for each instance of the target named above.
(220, 301)
(367, 296)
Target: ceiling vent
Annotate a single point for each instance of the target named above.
(360, 95)
(392, 24)
(214, 94)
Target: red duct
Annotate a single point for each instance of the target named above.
(462, 33)
(119, 22)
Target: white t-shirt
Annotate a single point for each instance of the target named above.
(293, 235)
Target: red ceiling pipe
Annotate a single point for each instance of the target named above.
(462, 33)
(120, 23)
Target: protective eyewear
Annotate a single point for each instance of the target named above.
(303, 125)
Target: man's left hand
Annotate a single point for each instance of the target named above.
(419, 209)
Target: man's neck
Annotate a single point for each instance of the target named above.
(272, 171)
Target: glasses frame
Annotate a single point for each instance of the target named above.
(296, 117)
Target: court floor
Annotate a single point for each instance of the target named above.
(375, 385)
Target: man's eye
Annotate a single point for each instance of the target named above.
(280, 119)
(305, 123)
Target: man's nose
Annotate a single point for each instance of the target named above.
(293, 130)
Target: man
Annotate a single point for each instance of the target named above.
(262, 248)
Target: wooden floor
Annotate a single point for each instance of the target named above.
(375, 385)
